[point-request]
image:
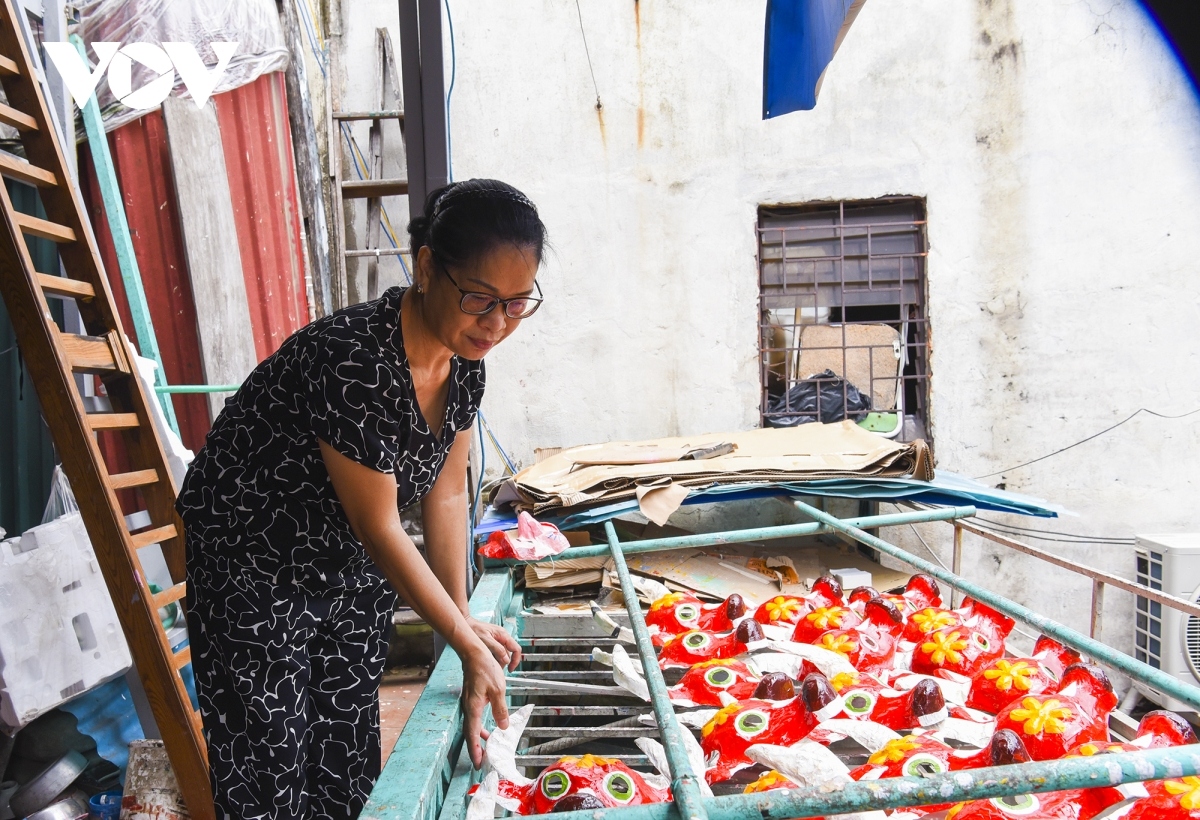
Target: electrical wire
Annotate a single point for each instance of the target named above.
(1089, 438)
(999, 530)
(449, 94)
(586, 51)
(928, 548)
(1052, 532)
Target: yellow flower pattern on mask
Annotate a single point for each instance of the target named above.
(826, 617)
(781, 608)
(931, 620)
(894, 751)
(1042, 716)
(945, 647)
(667, 601)
(844, 680)
(588, 761)
(1188, 790)
(719, 718)
(767, 781)
(839, 643)
(1007, 675)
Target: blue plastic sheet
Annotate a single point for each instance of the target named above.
(801, 39)
(946, 490)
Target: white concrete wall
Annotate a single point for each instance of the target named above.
(1057, 144)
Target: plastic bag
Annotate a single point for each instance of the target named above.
(62, 500)
(531, 541)
(824, 397)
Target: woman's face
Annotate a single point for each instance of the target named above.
(507, 272)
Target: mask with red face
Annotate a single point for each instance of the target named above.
(865, 698)
(789, 609)
(681, 612)
(1051, 723)
(1068, 805)
(921, 592)
(697, 645)
(965, 649)
(871, 645)
(705, 682)
(589, 782)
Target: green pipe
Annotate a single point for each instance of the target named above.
(711, 539)
(196, 388)
(118, 226)
(1105, 654)
(684, 786)
(951, 787)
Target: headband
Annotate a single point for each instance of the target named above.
(456, 191)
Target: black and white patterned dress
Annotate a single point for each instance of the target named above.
(286, 612)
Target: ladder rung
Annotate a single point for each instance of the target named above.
(17, 168)
(8, 66)
(113, 421)
(88, 354)
(44, 228)
(17, 119)
(170, 595)
(62, 286)
(135, 478)
(369, 188)
(386, 114)
(155, 536)
(182, 658)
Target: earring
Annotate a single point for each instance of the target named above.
(419, 289)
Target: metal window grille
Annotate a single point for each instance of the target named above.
(842, 298)
(1148, 620)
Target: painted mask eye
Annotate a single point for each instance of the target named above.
(555, 784)
(981, 641)
(619, 787)
(751, 722)
(1050, 673)
(868, 641)
(859, 703)
(923, 765)
(1017, 804)
(720, 678)
(686, 613)
(696, 641)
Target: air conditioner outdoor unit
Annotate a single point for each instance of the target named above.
(1166, 638)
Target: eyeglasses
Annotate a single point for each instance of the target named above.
(481, 304)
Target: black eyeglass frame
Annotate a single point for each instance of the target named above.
(495, 300)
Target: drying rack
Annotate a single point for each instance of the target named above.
(428, 775)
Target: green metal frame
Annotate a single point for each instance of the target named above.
(429, 753)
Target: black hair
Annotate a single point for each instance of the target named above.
(465, 220)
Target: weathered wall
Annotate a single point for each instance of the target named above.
(1057, 144)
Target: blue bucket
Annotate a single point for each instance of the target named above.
(105, 805)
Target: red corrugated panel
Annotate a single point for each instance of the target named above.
(262, 183)
(139, 152)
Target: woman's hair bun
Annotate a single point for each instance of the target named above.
(465, 220)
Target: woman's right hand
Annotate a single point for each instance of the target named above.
(483, 683)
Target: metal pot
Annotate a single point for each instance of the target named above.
(71, 808)
(52, 781)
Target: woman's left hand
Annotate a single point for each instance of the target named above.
(503, 646)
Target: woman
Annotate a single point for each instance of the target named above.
(295, 550)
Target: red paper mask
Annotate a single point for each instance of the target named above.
(864, 698)
(965, 649)
(1054, 656)
(871, 645)
(1050, 724)
(697, 645)
(921, 592)
(589, 782)
(788, 609)
(819, 620)
(704, 682)
(740, 725)
(1007, 679)
(681, 612)
(1069, 805)
(1175, 799)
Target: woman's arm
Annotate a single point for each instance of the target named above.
(444, 518)
(369, 500)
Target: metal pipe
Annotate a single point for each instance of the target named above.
(196, 388)
(950, 787)
(689, 802)
(710, 539)
(1107, 655)
(956, 565)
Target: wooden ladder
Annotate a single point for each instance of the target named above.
(53, 357)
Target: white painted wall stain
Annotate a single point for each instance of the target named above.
(1057, 143)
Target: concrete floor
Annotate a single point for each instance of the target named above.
(398, 695)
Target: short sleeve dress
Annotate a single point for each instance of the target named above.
(286, 612)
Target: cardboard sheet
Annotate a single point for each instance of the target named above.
(598, 473)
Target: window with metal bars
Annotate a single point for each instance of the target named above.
(843, 328)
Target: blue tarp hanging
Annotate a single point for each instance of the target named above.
(802, 37)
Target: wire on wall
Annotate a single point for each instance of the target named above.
(587, 52)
